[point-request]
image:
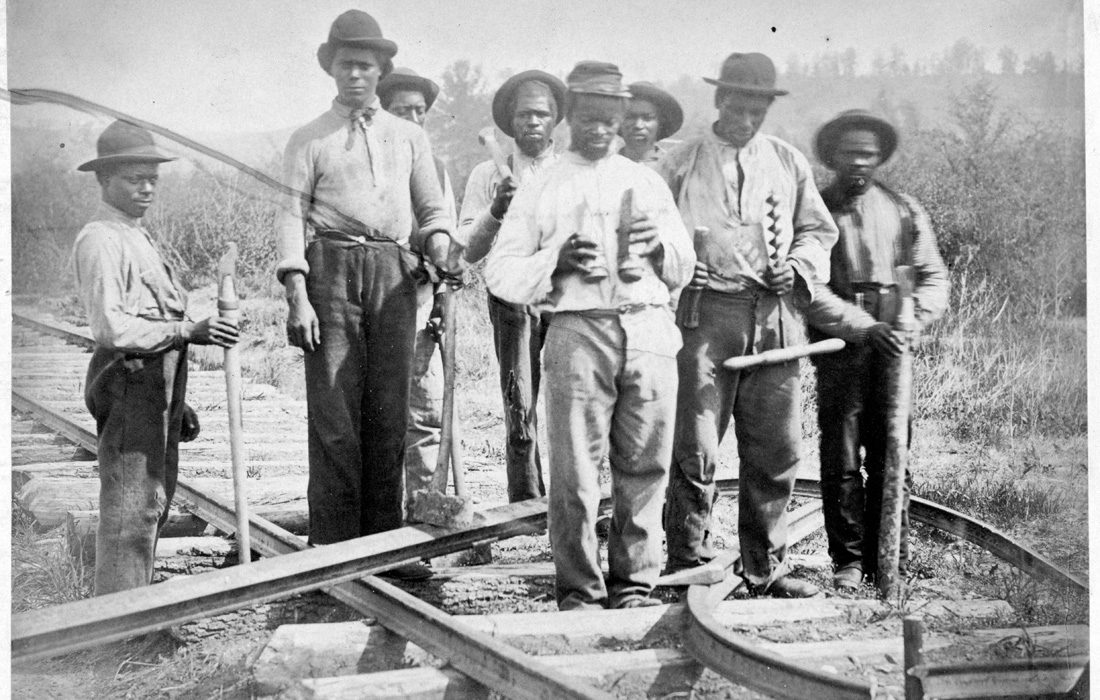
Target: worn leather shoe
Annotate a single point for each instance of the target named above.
(417, 571)
(638, 602)
(790, 587)
(848, 577)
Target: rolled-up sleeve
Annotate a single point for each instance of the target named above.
(815, 232)
(101, 273)
(477, 227)
(291, 222)
(429, 206)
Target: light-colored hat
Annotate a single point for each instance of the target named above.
(123, 142)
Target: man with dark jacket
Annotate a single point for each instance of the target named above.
(879, 230)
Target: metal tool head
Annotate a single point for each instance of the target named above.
(227, 263)
(487, 135)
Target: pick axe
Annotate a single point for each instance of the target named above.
(488, 137)
(899, 391)
(229, 308)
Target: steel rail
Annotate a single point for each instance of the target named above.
(491, 662)
(72, 336)
(740, 660)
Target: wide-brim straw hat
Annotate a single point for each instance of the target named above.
(752, 73)
(408, 79)
(123, 142)
(355, 28)
(504, 99)
(829, 135)
(669, 112)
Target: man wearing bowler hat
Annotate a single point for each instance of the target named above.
(611, 345)
(879, 230)
(652, 115)
(527, 107)
(350, 263)
(137, 376)
(765, 247)
(409, 96)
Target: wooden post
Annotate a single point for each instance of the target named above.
(229, 308)
(913, 638)
(899, 393)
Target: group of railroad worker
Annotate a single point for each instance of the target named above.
(626, 276)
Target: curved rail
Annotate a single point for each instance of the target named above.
(737, 658)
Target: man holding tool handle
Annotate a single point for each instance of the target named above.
(763, 236)
(885, 241)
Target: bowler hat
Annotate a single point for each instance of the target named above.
(828, 135)
(504, 99)
(596, 78)
(753, 73)
(669, 113)
(355, 28)
(123, 142)
(407, 79)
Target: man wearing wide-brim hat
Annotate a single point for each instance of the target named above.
(405, 94)
(880, 229)
(367, 215)
(526, 108)
(651, 116)
(137, 376)
(610, 351)
(765, 245)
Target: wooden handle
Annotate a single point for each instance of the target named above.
(229, 308)
(449, 456)
(773, 357)
(488, 138)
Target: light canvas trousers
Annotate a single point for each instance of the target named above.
(138, 409)
(600, 396)
(764, 403)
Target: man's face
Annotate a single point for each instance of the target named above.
(593, 123)
(533, 119)
(640, 126)
(130, 187)
(855, 158)
(740, 116)
(409, 105)
(356, 71)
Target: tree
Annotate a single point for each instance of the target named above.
(1041, 64)
(897, 64)
(794, 66)
(464, 107)
(963, 58)
(1008, 59)
(848, 63)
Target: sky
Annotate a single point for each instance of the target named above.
(206, 66)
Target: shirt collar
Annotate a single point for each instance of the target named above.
(342, 111)
(574, 157)
(721, 142)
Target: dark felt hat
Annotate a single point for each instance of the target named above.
(752, 73)
(669, 112)
(123, 142)
(596, 78)
(829, 134)
(407, 79)
(355, 28)
(504, 99)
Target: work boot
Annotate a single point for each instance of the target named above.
(417, 571)
(790, 587)
(848, 577)
(637, 602)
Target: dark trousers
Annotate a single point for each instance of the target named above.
(517, 338)
(851, 399)
(357, 386)
(764, 403)
(138, 409)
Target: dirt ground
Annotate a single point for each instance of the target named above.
(211, 658)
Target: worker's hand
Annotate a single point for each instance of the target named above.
(214, 330)
(779, 279)
(189, 429)
(446, 255)
(302, 328)
(702, 275)
(502, 199)
(644, 231)
(577, 255)
(883, 339)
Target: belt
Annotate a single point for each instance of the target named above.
(611, 313)
(371, 236)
